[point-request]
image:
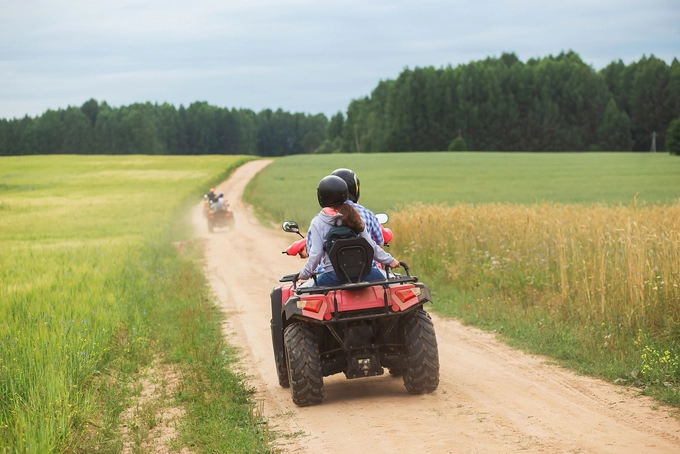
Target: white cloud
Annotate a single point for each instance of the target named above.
(302, 55)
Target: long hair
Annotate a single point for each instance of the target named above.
(351, 218)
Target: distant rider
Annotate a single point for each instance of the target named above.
(332, 193)
(212, 196)
(221, 203)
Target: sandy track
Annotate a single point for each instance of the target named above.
(491, 398)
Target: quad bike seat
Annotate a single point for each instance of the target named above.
(351, 259)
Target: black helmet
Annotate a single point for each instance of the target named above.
(331, 191)
(352, 181)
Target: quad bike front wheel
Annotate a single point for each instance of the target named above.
(304, 365)
(422, 374)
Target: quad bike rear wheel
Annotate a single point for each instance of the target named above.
(211, 225)
(422, 374)
(304, 365)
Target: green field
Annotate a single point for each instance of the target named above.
(574, 256)
(92, 291)
(286, 189)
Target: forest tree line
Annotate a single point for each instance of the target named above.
(556, 103)
(501, 104)
(95, 128)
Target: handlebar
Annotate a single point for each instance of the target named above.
(403, 264)
(288, 278)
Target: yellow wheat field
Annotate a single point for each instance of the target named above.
(593, 263)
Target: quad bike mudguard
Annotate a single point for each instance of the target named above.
(335, 307)
(328, 305)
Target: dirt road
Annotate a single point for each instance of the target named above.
(491, 399)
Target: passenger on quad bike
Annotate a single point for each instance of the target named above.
(332, 193)
(371, 221)
(221, 203)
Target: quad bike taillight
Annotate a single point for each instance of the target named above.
(408, 294)
(310, 305)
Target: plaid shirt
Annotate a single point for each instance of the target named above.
(371, 223)
(372, 228)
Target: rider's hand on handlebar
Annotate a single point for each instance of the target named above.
(394, 264)
(303, 253)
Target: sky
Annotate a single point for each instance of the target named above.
(311, 56)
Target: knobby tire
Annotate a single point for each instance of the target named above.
(304, 365)
(422, 374)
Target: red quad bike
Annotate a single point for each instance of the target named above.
(358, 328)
(218, 217)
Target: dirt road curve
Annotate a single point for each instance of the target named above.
(491, 399)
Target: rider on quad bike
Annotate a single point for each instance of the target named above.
(370, 220)
(332, 193)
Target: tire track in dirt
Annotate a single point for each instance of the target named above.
(491, 398)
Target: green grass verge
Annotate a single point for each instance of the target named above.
(286, 188)
(602, 349)
(92, 290)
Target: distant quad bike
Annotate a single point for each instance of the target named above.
(219, 217)
(358, 328)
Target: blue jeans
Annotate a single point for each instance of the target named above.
(330, 279)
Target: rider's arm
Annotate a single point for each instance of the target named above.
(379, 253)
(315, 250)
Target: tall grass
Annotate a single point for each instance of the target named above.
(89, 289)
(594, 284)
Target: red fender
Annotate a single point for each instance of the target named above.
(295, 248)
(387, 234)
